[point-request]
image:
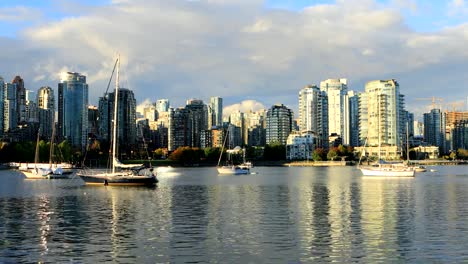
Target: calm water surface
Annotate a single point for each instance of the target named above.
(278, 215)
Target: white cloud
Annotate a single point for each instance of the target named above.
(19, 14)
(244, 106)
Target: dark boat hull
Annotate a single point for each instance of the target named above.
(119, 181)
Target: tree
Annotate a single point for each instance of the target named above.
(332, 154)
(319, 154)
(65, 151)
(462, 153)
(275, 151)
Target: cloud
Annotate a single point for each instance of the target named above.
(237, 49)
(244, 107)
(19, 14)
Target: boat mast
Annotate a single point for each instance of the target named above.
(36, 154)
(116, 99)
(51, 151)
(222, 148)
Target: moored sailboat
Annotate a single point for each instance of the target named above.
(121, 174)
(230, 168)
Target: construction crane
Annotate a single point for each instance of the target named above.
(433, 99)
(458, 105)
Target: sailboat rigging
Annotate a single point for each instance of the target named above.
(230, 168)
(126, 175)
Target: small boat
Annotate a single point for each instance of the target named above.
(230, 168)
(419, 168)
(233, 170)
(38, 170)
(121, 174)
(387, 170)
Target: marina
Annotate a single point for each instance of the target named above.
(277, 215)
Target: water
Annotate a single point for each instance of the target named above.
(279, 215)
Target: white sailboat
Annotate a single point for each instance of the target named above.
(38, 170)
(230, 168)
(382, 168)
(127, 175)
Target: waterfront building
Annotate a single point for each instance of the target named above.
(21, 116)
(351, 134)
(150, 113)
(46, 109)
(300, 146)
(278, 124)
(73, 109)
(234, 137)
(31, 109)
(198, 117)
(460, 135)
(382, 115)
(93, 118)
(455, 129)
(313, 113)
(336, 91)
(256, 124)
(126, 118)
(215, 112)
(418, 128)
(237, 118)
(179, 128)
(2, 99)
(10, 119)
(434, 129)
(162, 105)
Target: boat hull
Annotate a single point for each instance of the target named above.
(387, 173)
(233, 170)
(121, 180)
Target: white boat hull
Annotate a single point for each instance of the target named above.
(383, 172)
(233, 170)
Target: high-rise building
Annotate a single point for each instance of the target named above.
(336, 91)
(10, 119)
(2, 98)
(162, 105)
(198, 117)
(434, 129)
(31, 108)
(46, 110)
(216, 111)
(73, 109)
(20, 100)
(150, 113)
(382, 114)
(313, 113)
(351, 134)
(179, 128)
(279, 120)
(126, 118)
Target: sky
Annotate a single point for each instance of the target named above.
(253, 53)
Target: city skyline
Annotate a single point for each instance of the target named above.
(262, 51)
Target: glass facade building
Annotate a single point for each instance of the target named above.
(73, 109)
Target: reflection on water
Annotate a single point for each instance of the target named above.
(280, 215)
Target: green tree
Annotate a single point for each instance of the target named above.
(319, 154)
(275, 151)
(212, 154)
(332, 154)
(462, 153)
(65, 151)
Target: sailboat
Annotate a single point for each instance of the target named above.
(38, 170)
(121, 174)
(382, 168)
(230, 168)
